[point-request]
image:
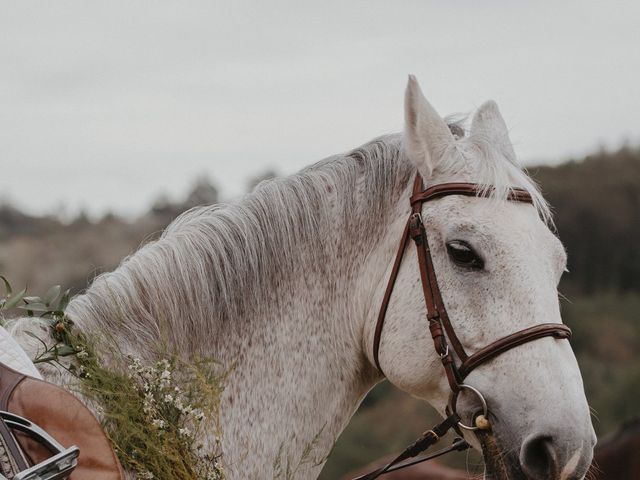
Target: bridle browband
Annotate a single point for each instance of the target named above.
(442, 331)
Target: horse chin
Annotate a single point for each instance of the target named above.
(500, 463)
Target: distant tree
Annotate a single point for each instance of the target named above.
(81, 219)
(13, 223)
(203, 192)
(597, 205)
(161, 203)
(255, 181)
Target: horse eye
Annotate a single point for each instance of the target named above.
(463, 255)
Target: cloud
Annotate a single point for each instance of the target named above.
(107, 104)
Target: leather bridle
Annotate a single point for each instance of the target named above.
(442, 331)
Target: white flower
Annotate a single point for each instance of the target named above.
(163, 364)
(158, 423)
(135, 364)
(148, 403)
(216, 472)
(168, 398)
(185, 432)
(82, 354)
(146, 475)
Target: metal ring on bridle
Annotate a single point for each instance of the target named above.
(453, 401)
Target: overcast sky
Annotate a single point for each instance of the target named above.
(103, 105)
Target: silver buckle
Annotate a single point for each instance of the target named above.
(453, 401)
(57, 467)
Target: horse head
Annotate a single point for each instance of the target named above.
(498, 264)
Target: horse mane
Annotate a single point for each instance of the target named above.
(216, 267)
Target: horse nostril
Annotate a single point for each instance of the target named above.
(538, 457)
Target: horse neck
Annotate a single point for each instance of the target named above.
(305, 365)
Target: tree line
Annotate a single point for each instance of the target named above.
(597, 215)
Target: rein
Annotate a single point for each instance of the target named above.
(442, 331)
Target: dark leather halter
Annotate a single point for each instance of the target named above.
(440, 326)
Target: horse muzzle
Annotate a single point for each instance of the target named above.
(548, 453)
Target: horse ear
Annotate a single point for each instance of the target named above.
(426, 135)
(489, 123)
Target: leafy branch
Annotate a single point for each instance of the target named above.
(155, 416)
(50, 308)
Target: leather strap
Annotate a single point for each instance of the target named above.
(467, 190)
(556, 330)
(387, 296)
(428, 438)
(436, 313)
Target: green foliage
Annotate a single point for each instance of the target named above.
(153, 415)
(597, 201)
(49, 308)
(606, 335)
(51, 305)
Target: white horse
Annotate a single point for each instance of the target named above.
(284, 287)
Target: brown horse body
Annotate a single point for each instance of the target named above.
(617, 456)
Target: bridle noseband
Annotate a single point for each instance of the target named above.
(442, 332)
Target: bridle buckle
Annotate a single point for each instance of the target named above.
(445, 353)
(416, 228)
